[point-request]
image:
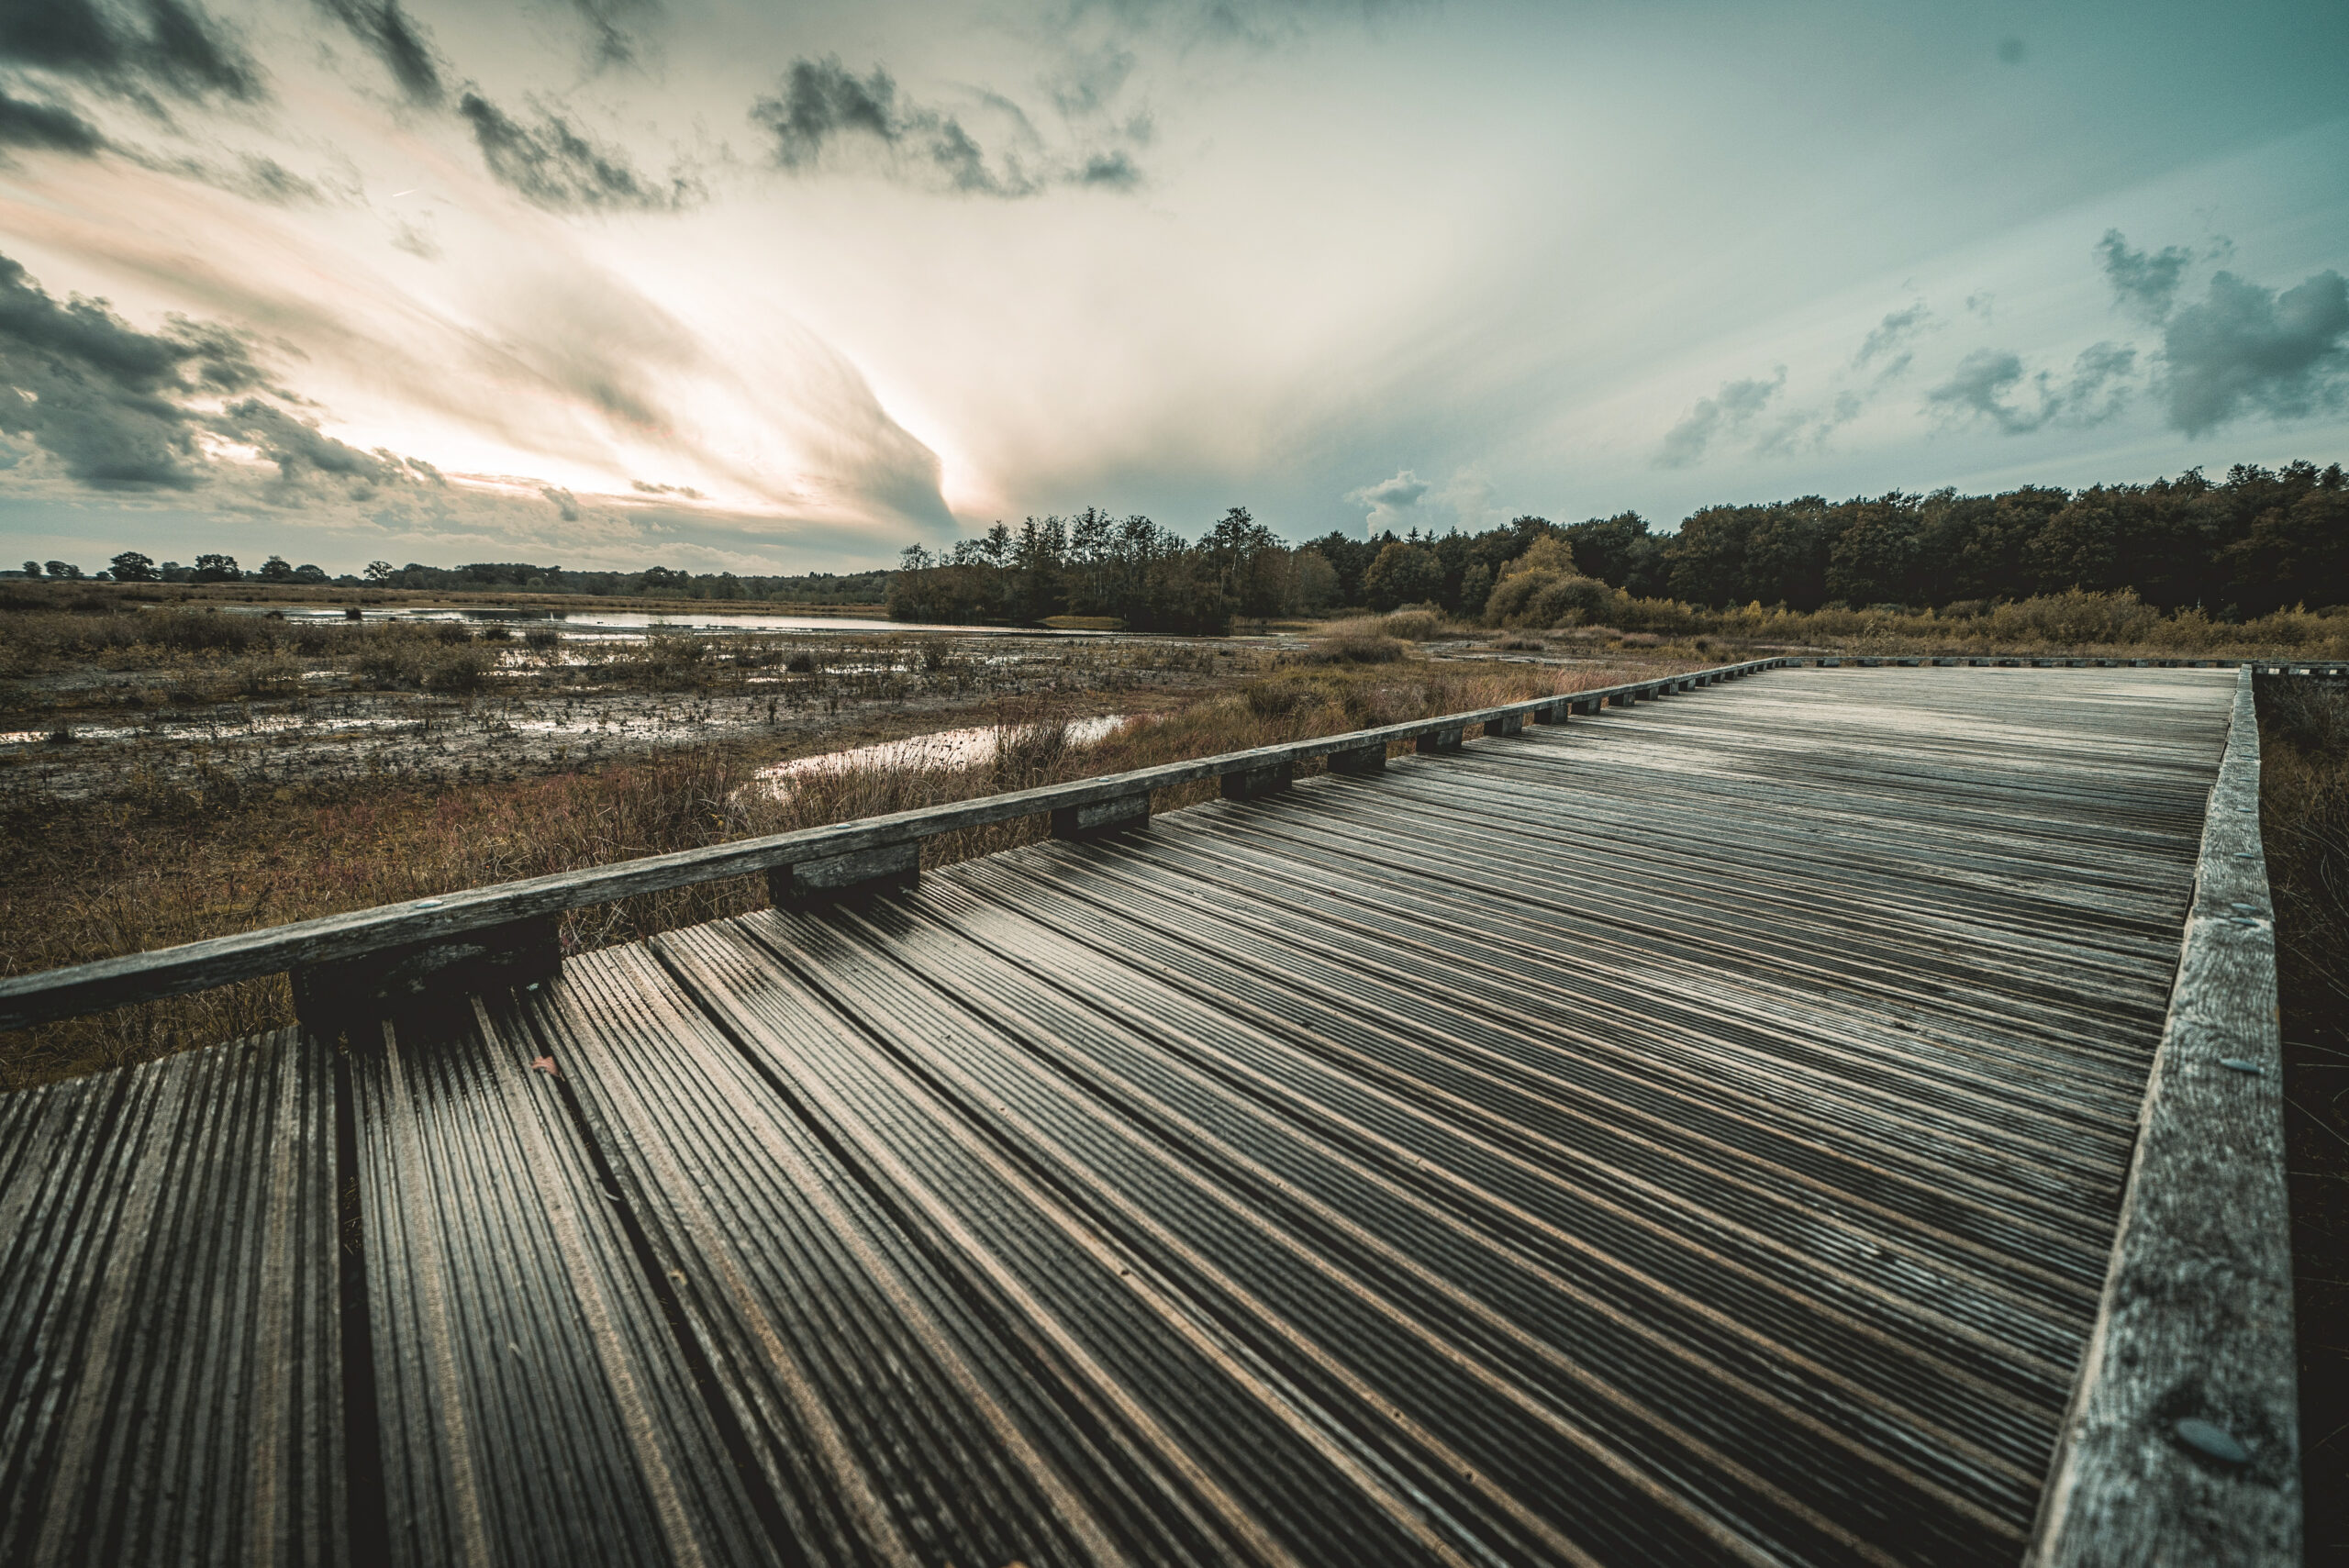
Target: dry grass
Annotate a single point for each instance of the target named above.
(2304, 817)
(158, 864)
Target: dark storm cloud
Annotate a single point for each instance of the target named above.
(2244, 348)
(157, 47)
(109, 401)
(820, 103)
(1727, 412)
(121, 409)
(398, 40)
(299, 447)
(559, 167)
(2144, 281)
(46, 126)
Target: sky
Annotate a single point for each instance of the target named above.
(735, 287)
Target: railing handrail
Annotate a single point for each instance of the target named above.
(46, 994)
(2183, 1425)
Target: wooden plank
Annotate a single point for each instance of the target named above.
(2182, 1442)
(171, 1356)
(27, 999)
(535, 1406)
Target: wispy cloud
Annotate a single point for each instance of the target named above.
(399, 42)
(1986, 383)
(1729, 412)
(176, 49)
(560, 167)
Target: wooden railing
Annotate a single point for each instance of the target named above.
(2182, 1442)
(346, 963)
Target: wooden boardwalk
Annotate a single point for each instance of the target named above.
(1693, 1134)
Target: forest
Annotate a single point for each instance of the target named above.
(2260, 540)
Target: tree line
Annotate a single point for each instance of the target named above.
(655, 582)
(2261, 539)
(1128, 568)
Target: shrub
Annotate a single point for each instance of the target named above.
(1414, 625)
(459, 669)
(1353, 648)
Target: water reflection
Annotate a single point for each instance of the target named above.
(943, 748)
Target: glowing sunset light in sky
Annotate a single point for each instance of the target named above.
(751, 288)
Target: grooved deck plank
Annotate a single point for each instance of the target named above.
(170, 1378)
(535, 1408)
(1693, 1133)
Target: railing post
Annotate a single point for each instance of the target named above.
(1507, 724)
(1102, 817)
(1436, 741)
(1359, 760)
(329, 997)
(836, 876)
(1248, 784)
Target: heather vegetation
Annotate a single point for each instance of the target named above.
(159, 861)
(2304, 819)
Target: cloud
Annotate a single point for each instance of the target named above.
(1980, 387)
(687, 491)
(2146, 284)
(1986, 382)
(1115, 170)
(416, 240)
(822, 112)
(108, 401)
(399, 42)
(1088, 80)
(1890, 339)
(557, 167)
(1727, 412)
(46, 126)
(2244, 348)
(2102, 384)
(120, 409)
(565, 503)
(1393, 503)
(181, 52)
(607, 22)
(300, 448)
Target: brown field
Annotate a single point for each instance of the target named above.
(215, 773)
(2304, 800)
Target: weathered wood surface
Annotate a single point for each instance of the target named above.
(1694, 1136)
(534, 1406)
(170, 1371)
(2183, 1442)
(420, 924)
